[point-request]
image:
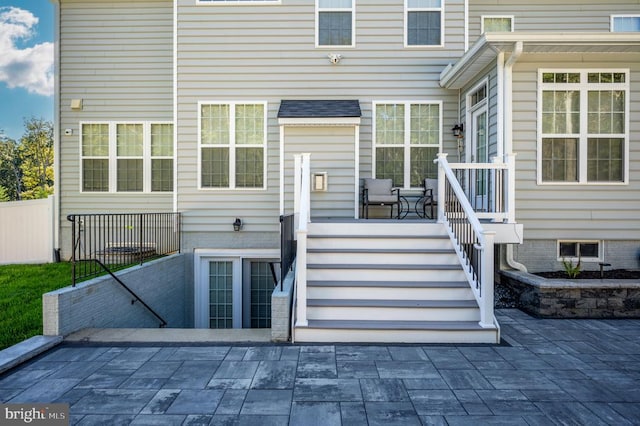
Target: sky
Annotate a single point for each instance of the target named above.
(26, 63)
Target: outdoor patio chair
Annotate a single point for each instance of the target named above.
(380, 192)
(430, 196)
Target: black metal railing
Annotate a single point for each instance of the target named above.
(466, 236)
(287, 245)
(120, 240)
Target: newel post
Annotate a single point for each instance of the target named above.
(487, 278)
(442, 157)
(511, 187)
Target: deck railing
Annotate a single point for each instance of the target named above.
(118, 241)
(287, 245)
(472, 243)
(302, 208)
(487, 187)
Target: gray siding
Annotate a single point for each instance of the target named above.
(267, 53)
(572, 211)
(117, 57)
(551, 15)
(332, 150)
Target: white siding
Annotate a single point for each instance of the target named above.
(572, 211)
(267, 53)
(551, 15)
(117, 56)
(332, 150)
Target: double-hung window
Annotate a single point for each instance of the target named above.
(126, 157)
(424, 23)
(407, 139)
(335, 23)
(583, 126)
(232, 145)
(625, 23)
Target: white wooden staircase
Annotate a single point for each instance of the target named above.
(388, 281)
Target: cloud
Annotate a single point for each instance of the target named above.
(30, 68)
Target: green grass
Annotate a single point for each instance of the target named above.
(21, 290)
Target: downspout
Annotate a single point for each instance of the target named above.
(508, 141)
(56, 131)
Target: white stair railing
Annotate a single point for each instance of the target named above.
(472, 243)
(302, 209)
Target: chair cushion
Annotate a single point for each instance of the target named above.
(433, 185)
(382, 199)
(378, 186)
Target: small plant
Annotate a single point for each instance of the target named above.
(571, 269)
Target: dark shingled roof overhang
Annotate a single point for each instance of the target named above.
(319, 109)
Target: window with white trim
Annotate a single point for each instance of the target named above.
(496, 23)
(424, 23)
(583, 249)
(232, 145)
(335, 23)
(625, 23)
(583, 131)
(407, 138)
(126, 157)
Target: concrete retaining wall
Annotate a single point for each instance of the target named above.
(573, 299)
(281, 309)
(103, 303)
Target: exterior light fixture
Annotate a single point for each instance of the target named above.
(237, 224)
(458, 130)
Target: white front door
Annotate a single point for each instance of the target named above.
(479, 154)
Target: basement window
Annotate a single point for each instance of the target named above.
(588, 251)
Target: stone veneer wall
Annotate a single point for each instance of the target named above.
(103, 303)
(572, 298)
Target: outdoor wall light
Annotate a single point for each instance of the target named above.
(237, 224)
(458, 130)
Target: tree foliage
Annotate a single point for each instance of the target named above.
(26, 168)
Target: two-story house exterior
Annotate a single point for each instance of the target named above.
(199, 106)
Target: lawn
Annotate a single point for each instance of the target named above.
(21, 290)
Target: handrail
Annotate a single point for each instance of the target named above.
(303, 210)
(163, 323)
(472, 243)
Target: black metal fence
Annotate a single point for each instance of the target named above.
(120, 240)
(287, 245)
(484, 188)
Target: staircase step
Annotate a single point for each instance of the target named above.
(391, 284)
(351, 331)
(379, 236)
(375, 303)
(419, 267)
(381, 250)
(395, 325)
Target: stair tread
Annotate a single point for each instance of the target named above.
(384, 250)
(381, 303)
(397, 325)
(387, 266)
(391, 284)
(383, 236)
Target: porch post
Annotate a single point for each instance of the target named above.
(486, 283)
(441, 195)
(511, 187)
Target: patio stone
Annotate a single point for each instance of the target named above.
(362, 353)
(47, 389)
(113, 401)
(274, 375)
(353, 414)
(357, 370)
(161, 401)
(157, 370)
(205, 353)
(435, 402)
(229, 384)
(236, 370)
(105, 379)
(465, 379)
(159, 420)
(192, 375)
(191, 401)
(406, 369)
(391, 413)
(263, 353)
(231, 402)
(383, 390)
(267, 402)
(105, 420)
(315, 414)
(197, 420)
(327, 390)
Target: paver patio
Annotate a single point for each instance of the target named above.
(568, 372)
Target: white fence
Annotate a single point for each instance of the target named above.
(27, 231)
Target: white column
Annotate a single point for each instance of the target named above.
(486, 281)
